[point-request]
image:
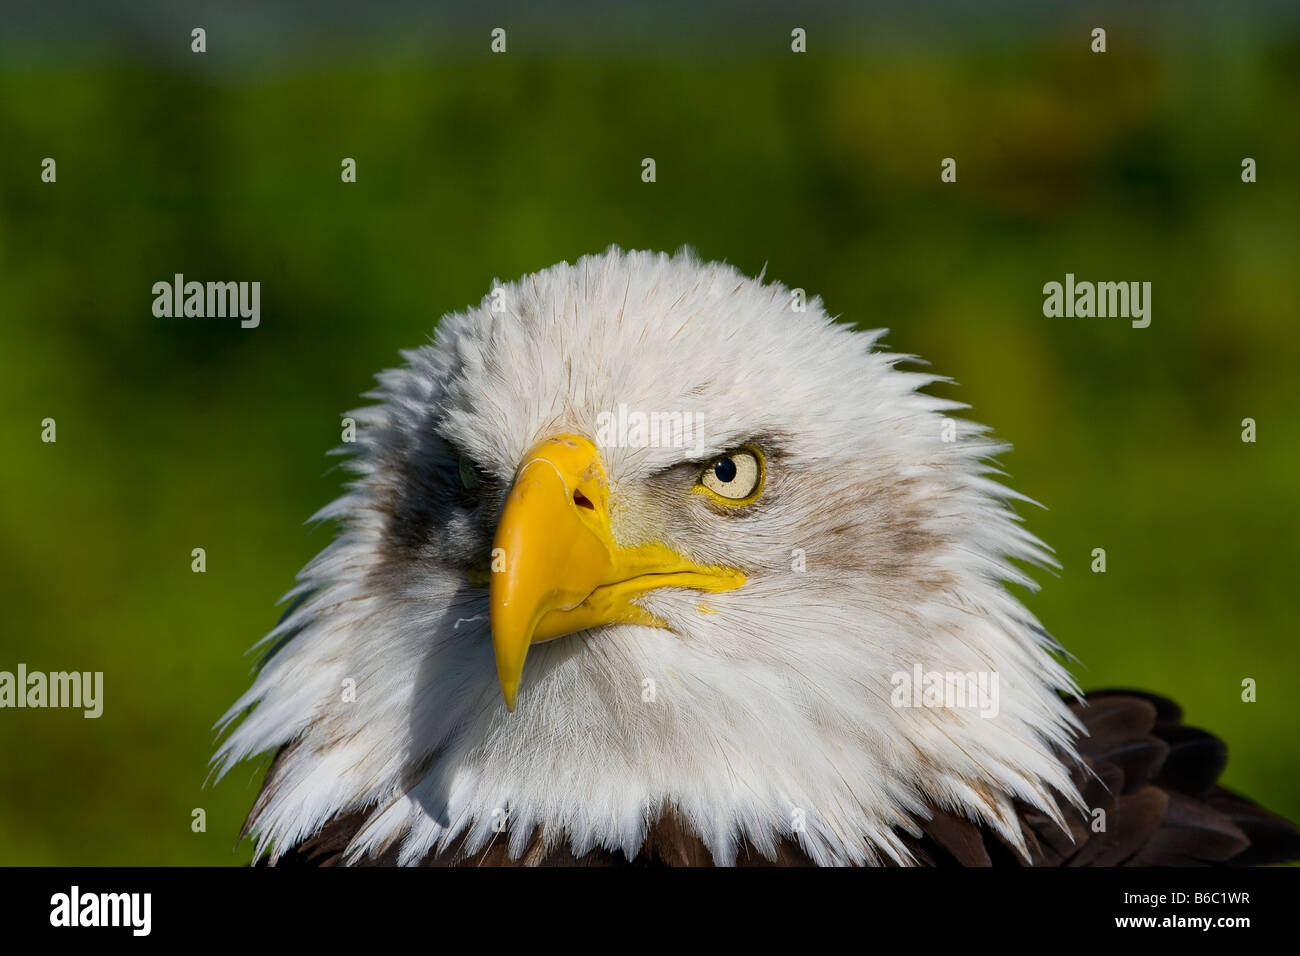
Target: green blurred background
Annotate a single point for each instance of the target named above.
(182, 433)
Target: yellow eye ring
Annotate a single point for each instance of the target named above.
(734, 479)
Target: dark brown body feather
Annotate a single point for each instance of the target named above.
(1155, 778)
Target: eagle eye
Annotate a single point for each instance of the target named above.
(470, 479)
(735, 478)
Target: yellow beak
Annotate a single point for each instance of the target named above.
(556, 567)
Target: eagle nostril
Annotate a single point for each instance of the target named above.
(582, 501)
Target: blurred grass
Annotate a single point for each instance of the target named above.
(176, 434)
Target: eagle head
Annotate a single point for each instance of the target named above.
(642, 539)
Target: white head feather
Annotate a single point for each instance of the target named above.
(776, 708)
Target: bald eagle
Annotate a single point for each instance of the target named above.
(645, 561)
